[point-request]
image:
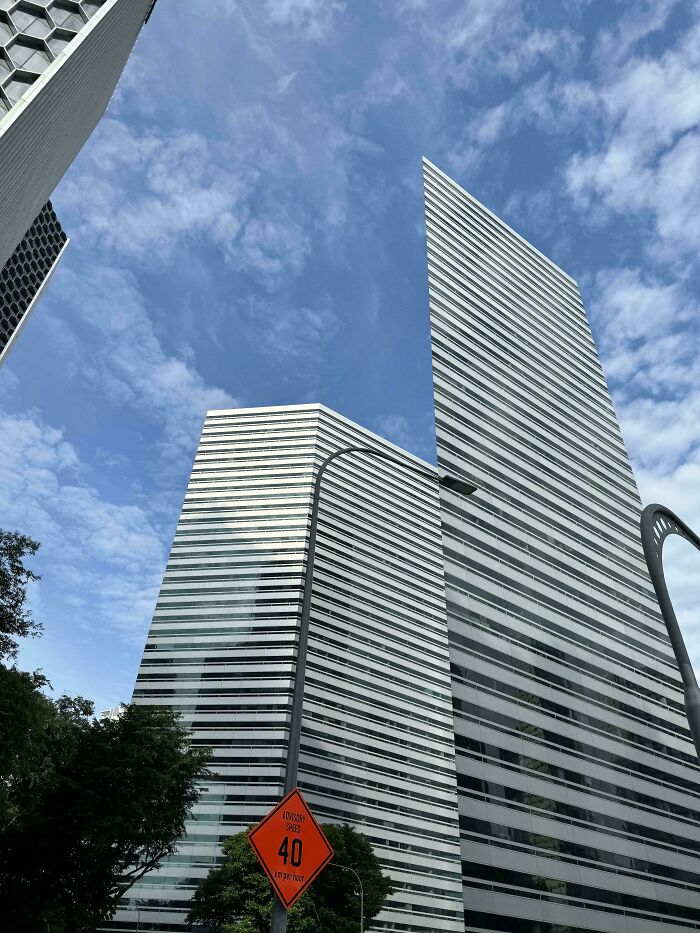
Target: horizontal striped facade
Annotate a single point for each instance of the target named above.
(377, 739)
(579, 797)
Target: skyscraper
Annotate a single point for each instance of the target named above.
(60, 61)
(579, 793)
(377, 739)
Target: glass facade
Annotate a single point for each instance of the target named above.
(579, 793)
(377, 741)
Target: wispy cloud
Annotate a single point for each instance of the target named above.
(102, 558)
(285, 331)
(416, 435)
(176, 188)
(489, 38)
(616, 43)
(272, 249)
(310, 19)
(646, 332)
(650, 154)
(648, 337)
(127, 364)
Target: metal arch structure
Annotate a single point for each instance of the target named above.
(657, 523)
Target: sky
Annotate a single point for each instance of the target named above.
(247, 229)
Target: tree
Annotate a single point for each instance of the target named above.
(16, 620)
(87, 807)
(107, 804)
(236, 896)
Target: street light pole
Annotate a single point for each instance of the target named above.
(657, 524)
(279, 914)
(362, 890)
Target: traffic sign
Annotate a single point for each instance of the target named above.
(291, 847)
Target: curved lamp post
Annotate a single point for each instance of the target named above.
(279, 914)
(362, 890)
(657, 524)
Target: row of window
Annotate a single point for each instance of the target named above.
(593, 573)
(547, 677)
(468, 620)
(529, 700)
(450, 207)
(599, 518)
(547, 525)
(534, 268)
(519, 387)
(573, 853)
(519, 799)
(569, 745)
(661, 666)
(587, 896)
(472, 286)
(510, 381)
(497, 344)
(627, 614)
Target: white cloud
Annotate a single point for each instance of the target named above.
(679, 489)
(153, 192)
(661, 434)
(641, 20)
(497, 35)
(415, 436)
(648, 337)
(542, 103)
(104, 558)
(285, 82)
(127, 363)
(646, 332)
(176, 187)
(311, 19)
(480, 133)
(437, 48)
(272, 249)
(286, 331)
(9, 381)
(650, 154)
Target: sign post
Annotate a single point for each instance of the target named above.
(291, 847)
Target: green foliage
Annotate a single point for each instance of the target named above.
(236, 896)
(98, 804)
(25, 714)
(86, 807)
(15, 619)
(335, 892)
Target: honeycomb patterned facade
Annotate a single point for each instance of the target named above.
(32, 34)
(26, 271)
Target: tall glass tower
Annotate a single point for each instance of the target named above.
(377, 746)
(579, 793)
(60, 61)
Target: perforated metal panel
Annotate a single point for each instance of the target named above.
(32, 34)
(26, 272)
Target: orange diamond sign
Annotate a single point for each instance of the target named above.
(291, 847)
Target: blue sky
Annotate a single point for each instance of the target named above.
(247, 228)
